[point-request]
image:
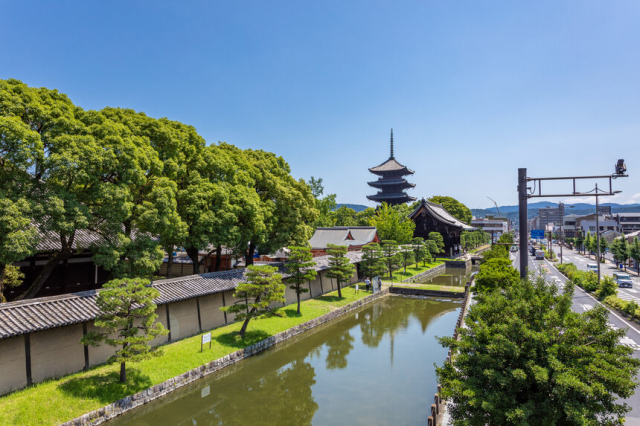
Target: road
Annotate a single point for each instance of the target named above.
(583, 301)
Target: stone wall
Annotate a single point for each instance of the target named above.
(430, 293)
(123, 405)
(428, 274)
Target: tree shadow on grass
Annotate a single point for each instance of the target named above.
(331, 299)
(106, 387)
(234, 340)
(291, 313)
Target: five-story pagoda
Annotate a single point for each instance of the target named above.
(391, 183)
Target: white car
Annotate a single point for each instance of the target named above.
(623, 280)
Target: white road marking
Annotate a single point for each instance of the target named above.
(627, 341)
(586, 306)
(630, 290)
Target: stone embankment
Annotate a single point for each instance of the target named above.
(426, 275)
(130, 402)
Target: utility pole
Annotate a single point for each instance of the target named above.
(522, 213)
(598, 234)
(523, 195)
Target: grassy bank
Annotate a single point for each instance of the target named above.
(56, 401)
(454, 289)
(399, 274)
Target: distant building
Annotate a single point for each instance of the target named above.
(629, 222)
(569, 226)
(495, 226)
(432, 217)
(391, 184)
(587, 224)
(354, 237)
(551, 216)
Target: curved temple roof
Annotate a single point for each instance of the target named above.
(440, 213)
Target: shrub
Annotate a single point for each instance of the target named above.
(607, 287)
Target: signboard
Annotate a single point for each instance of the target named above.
(206, 338)
(537, 234)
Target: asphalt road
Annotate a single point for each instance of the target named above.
(583, 301)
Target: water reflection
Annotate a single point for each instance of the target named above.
(452, 277)
(372, 367)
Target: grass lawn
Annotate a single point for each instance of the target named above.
(56, 401)
(479, 248)
(399, 274)
(454, 289)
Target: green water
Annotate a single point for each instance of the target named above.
(373, 367)
(452, 277)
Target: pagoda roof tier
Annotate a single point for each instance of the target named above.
(395, 197)
(391, 166)
(387, 183)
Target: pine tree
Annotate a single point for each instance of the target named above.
(263, 287)
(420, 250)
(406, 254)
(437, 238)
(300, 267)
(340, 267)
(127, 309)
(391, 256)
(372, 263)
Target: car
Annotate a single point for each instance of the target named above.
(514, 248)
(539, 255)
(623, 280)
(592, 267)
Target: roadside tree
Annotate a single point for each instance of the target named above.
(496, 273)
(127, 316)
(634, 253)
(263, 287)
(300, 265)
(523, 344)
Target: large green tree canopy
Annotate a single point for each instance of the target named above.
(141, 186)
(453, 206)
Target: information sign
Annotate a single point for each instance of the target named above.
(206, 338)
(537, 234)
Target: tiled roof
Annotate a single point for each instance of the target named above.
(49, 241)
(338, 235)
(440, 213)
(43, 313)
(391, 165)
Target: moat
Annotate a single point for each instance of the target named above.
(374, 366)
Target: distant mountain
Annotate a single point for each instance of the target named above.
(356, 207)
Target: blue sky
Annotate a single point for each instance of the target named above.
(473, 90)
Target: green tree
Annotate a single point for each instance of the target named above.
(607, 287)
(392, 257)
(287, 205)
(602, 249)
(372, 262)
(436, 237)
(496, 273)
(579, 242)
(432, 247)
(325, 205)
(18, 239)
(364, 217)
(127, 317)
(523, 344)
(392, 225)
(420, 250)
(300, 265)
(345, 216)
(262, 288)
(340, 267)
(406, 256)
(634, 252)
(454, 207)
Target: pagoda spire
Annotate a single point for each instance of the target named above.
(391, 156)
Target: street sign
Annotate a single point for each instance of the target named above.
(537, 234)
